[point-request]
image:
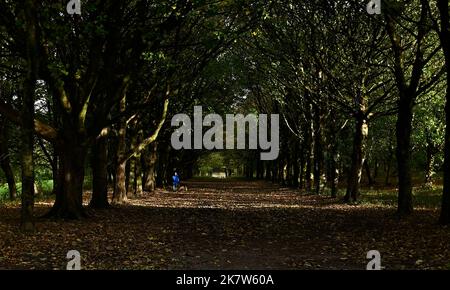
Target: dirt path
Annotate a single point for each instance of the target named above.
(229, 225)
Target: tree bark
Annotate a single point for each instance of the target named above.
(137, 181)
(280, 173)
(318, 151)
(403, 153)
(129, 177)
(309, 141)
(69, 200)
(161, 165)
(308, 179)
(429, 164)
(120, 189)
(408, 92)
(444, 35)
(288, 172)
(445, 207)
(150, 158)
(99, 164)
(27, 136)
(354, 176)
(27, 118)
(302, 167)
(138, 188)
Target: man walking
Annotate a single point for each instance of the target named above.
(176, 181)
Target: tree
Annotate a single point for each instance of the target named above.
(330, 72)
(409, 63)
(27, 115)
(444, 36)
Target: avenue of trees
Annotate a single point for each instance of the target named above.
(90, 97)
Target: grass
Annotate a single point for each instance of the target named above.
(213, 179)
(45, 187)
(423, 197)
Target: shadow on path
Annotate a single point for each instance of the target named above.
(229, 225)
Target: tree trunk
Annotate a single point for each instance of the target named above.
(445, 207)
(56, 164)
(354, 175)
(296, 173)
(280, 173)
(120, 189)
(99, 164)
(69, 200)
(150, 158)
(259, 169)
(129, 175)
(302, 167)
(443, 6)
(407, 95)
(308, 179)
(137, 176)
(429, 164)
(27, 119)
(274, 169)
(268, 165)
(309, 141)
(160, 165)
(334, 171)
(55, 173)
(388, 165)
(6, 167)
(27, 218)
(5, 162)
(368, 174)
(318, 151)
(288, 172)
(403, 153)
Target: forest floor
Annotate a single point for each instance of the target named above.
(229, 225)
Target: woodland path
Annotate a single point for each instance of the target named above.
(228, 225)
